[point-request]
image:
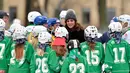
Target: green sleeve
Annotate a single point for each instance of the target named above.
(53, 61)
(30, 52)
(81, 50)
(108, 59)
(8, 51)
(102, 54)
(65, 66)
(33, 64)
(128, 53)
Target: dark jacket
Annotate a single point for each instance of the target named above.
(104, 38)
(76, 34)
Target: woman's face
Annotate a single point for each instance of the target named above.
(70, 23)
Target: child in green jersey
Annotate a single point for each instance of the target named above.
(74, 63)
(92, 50)
(45, 59)
(5, 44)
(21, 52)
(117, 57)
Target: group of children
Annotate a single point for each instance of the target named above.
(43, 47)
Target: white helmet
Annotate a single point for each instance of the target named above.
(19, 33)
(32, 15)
(13, 26)
(63, 14)
(124, 18)
(37, 29)
(16, 21)
(29, 28)
(44, 37)
(115, 27)
(2, 25)
(61, 32)
(91, 31)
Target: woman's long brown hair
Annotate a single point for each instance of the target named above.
(19, 50)
(76, 27)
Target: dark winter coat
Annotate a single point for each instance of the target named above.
(104, 38)
(76, 33)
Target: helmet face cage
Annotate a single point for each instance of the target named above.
(91, 34)
(117, 37)
(111, 34)
(113, 28)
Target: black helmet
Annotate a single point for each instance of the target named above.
(73, 44)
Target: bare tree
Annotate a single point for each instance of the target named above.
(30, 6)
(102, 12)
(1, 4)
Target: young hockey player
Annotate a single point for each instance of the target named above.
(40, 26)
(105, 37)
(20, 52)
(125, 19)
(52, 25)
(31, 17)
(92, 50)
(45, 59)
(117, 55)
(5, 44)
(74, 63)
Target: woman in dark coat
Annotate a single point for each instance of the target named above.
(75, 30)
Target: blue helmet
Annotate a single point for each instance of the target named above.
(52, 21)
(114, 19)
(40, 20)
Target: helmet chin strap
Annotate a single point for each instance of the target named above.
(89, 39)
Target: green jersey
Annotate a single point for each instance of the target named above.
(70, 65)
(5, 45)
(94, 57)
(48, 63)
(22, 65)
(117, 57)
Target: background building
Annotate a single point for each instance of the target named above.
(86, 10)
